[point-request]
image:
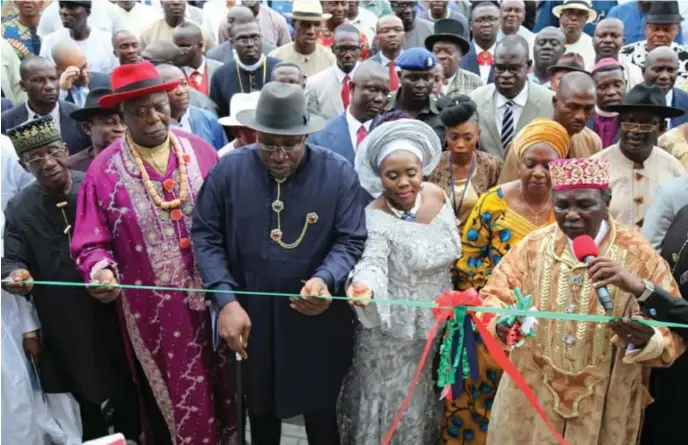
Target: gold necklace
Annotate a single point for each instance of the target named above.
(68, 229)
(278, 207)
(241, 84)
(677, 256)
(535, 214)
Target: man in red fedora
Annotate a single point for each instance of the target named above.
(133, 227)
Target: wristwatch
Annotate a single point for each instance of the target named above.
(649, 289)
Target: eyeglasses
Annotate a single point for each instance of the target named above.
(343, 49)
(248, 40)
(37, 161)
(513, 69)
(286, 148)
(640, 128)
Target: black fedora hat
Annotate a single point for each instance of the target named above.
(664, 13)
(281, 110)
(91, 106)
(448, 30)
(646, 98)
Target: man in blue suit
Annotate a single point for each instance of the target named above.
(369, 90)
(485, 24)
(661, 69)
(195, 120)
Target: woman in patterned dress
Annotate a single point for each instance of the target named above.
(464, 172)
(412, 244)
(501, 218)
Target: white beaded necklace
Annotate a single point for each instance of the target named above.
(406, 215)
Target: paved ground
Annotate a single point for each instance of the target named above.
(293, 432)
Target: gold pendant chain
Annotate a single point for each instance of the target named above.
(534, 213)
(250, 74)
(676, 257)
(68, 229)
(278, 207)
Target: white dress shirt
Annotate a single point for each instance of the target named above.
(448, 83)
(97, 47)
(103, 17)
(55, 114)
(341, 74)
(139, 17)
(669, 100)
(354, 125)
(519, 104)
(189, 70)
(584, 48)
(484, 69)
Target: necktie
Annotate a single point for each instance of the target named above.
(196, 78)
(485, 58)
(393, 77)
(360, 135)
(346, 92)
(508, 124)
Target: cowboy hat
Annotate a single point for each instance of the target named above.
(664, 13)
(646, 98)
(239, 103)
(135, 80)
(308, 11)
(448, 30)
(91, 107)
(282, 110)
(581, 5)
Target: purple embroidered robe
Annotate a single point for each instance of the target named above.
(118, 225)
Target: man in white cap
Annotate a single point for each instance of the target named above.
(243, 135)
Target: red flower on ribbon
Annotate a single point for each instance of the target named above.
(485, 58)
(168, 184)
(451, 299)
(176, 214)
(184, 243)
(186, 158)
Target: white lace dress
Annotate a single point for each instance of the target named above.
(401, 261)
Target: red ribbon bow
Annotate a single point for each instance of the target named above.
(444, 310)
(485, 58)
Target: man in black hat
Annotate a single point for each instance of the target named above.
(449, 45)
(662, 25)
(103, 125)
(638, 167)
(282, 216)
(81, 345)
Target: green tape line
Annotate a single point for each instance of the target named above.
(589, 318)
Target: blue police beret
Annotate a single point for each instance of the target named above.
(417, 59)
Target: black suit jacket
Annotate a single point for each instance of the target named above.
(95, 80)
(225, 83)
(469, 62)
(72, 133)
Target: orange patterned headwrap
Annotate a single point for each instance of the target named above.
(542, 130)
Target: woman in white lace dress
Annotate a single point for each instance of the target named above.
(412, 244)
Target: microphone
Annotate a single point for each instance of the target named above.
(585, 249)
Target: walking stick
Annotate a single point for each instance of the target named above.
(240, 399)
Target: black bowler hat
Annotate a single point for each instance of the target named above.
(664, 13)
(646, 98)
(448, 30)
(91, 106)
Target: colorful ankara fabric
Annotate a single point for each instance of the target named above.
(591, 389)
(580, 173)
(118, 226)
(23, 39)
(542, 130)
(491, 230)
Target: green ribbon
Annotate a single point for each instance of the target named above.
(585, 318)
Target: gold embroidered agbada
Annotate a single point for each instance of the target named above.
(592, 391)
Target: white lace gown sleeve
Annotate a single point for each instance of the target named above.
(372, 270)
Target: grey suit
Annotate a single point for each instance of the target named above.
(539, 104)
(225, 54)
(200, 100)
(323, 94)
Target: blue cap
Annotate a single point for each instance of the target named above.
(416, 59)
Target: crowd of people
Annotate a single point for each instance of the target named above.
(187, 185)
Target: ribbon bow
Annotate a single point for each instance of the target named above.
(485, 58)
(452, 306)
